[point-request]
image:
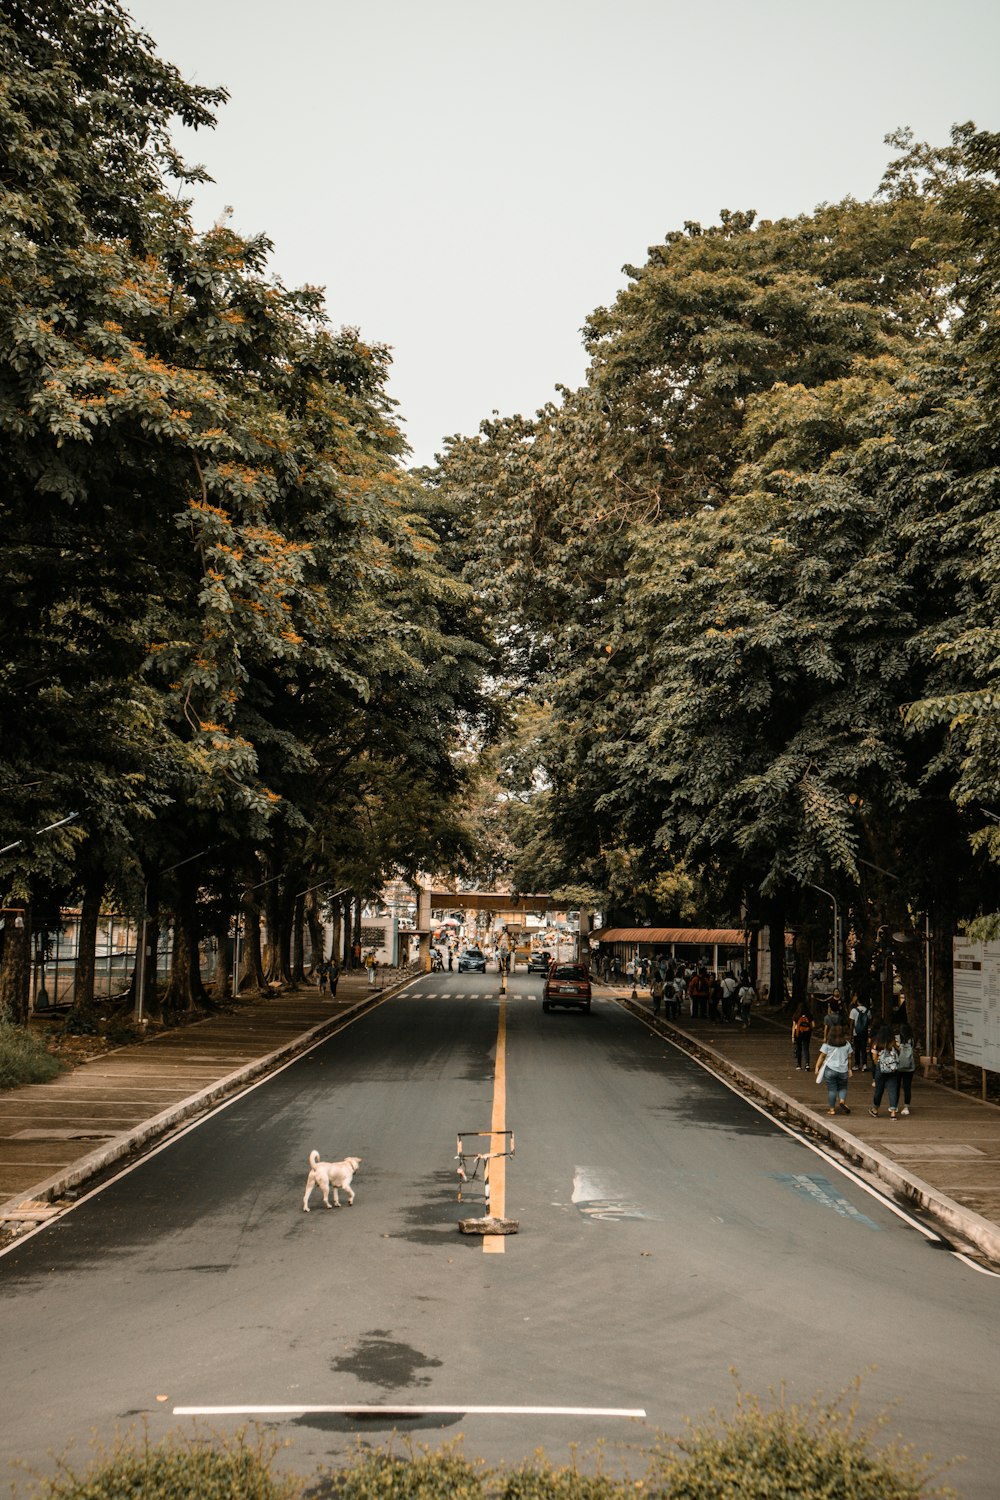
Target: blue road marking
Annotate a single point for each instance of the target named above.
(822, 1191)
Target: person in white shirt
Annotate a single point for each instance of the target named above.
(833, 1068)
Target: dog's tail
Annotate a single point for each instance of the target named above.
(313, 1158)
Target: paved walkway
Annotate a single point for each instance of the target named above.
(55, 1137)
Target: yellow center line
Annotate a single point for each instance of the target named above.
(494, 1244)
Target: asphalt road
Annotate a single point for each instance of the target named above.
(669, 1233)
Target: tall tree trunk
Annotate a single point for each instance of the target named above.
(222, 986)
(356, 954)
(253, 957)
(185, 992)
(285, 923)
(151, 997)
(337, 940)
(86, 948)
(800, 975)
(314, 922)
(15, 966)
(347, 932)
(774, 915)
(942, 987)
(272, 932)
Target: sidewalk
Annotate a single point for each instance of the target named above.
(944, 1157)
(56, 1137)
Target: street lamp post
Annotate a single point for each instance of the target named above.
(140, 980)
(836, 933)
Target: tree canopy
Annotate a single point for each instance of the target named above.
(232, 625)
(749, 566)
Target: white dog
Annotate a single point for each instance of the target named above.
(330, 1174)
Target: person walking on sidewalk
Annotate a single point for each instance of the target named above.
(657, 988)
(802, 1030)
(886, 1055)
(747, 996)
(333, 974)
(729, 989)
(860, 1021)
(322, 975)
(906, 1065)
(698, 989)
(832, 1068)
(834, 1014)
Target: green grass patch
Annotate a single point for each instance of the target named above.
(24, 1059)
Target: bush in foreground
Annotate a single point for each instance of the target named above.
(813, 1452)
(222, 1469)
(784, 1453)
(23, 1059)
(421, 1476)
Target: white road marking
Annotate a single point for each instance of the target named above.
(601, 1199)
(392, 1410)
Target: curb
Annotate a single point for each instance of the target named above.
(979, 1232)
(121, 1146)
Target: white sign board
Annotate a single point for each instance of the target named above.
(976, 969)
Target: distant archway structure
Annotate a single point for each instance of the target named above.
(503, 904)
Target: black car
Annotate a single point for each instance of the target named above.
(567, 984)
(539, 963)
(472, 961)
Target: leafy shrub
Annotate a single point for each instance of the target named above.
(23, 1059)
(444, 1475)
(786, 1453)
(543, 1482)
(178, 1469)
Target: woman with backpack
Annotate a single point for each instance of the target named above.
(906, 1066)
(802, 1030)
(886, 1056)
(860, 1022)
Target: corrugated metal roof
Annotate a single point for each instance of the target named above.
(724, 936)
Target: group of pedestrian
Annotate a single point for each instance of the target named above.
(706, 994)
(894, 1062)
(327, 975)
(848, 1047)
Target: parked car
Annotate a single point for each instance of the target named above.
(567, 984)
(472, 961)
(539, 963)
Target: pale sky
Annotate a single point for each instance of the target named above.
(467, 179)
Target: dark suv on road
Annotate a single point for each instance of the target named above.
(539, 963)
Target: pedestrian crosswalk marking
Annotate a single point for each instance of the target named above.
(448, 995)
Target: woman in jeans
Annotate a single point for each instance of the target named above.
(836, 1053)
(906, 1066)
(886, 1058)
